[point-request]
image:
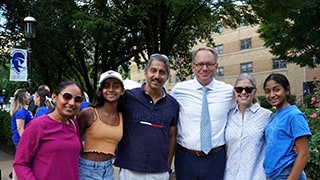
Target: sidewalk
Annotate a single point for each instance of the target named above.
(6, 159)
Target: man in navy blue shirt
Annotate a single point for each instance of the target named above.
(150, 118)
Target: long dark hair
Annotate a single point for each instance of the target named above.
(43, 94)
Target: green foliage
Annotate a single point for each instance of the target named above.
(7, 88)
(80, 39)
(313, 115)
(307, 100)
(264, 103)
(313, 165)
(291, 29)
(292, 99)
(5, 128)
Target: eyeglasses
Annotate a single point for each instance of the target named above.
(246, 89)
(201, 65)
(68, 97)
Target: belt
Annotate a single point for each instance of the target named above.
(201, 153)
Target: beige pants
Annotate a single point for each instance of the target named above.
(125, 174)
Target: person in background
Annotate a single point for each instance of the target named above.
(20, 117)
(51, 145)
(103, 127)
(32, 107)
(85, 102)
(244, 133)
(41, 101)
(150, 117)
(195, 159)
(286, 135)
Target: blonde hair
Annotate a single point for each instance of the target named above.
(18, 101)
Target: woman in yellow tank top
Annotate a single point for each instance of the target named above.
(101, 124)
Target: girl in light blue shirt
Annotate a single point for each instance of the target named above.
(286, 135)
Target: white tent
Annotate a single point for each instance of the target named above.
(130, 84)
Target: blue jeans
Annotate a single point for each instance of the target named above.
(90, 170)
(286, 172)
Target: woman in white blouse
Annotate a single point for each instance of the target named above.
(244, 133)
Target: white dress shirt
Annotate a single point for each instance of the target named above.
(189, 96)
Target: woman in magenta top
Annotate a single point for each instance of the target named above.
(50, 145)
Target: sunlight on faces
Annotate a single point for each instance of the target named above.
(112, 89)
(156, 75)
(68, 101)
(204, 66)
(244, 92)
(275, 94)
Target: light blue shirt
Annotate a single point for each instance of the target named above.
(189, 96)
(287, 124)
(245, 143)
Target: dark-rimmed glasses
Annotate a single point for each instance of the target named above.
(246, 89)
(68, 97)
(201, 65)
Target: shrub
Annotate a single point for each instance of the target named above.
(292, 99)
(313, 115)
(264, 103)
(5, 128)
(307, 100)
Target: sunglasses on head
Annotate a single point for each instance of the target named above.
(246, 89)
(68, 97)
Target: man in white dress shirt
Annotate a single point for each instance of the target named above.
(190, 161)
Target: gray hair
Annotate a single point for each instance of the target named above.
(212, 50)
(160, 57)
(247, 76)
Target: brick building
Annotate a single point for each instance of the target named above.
(241, 50)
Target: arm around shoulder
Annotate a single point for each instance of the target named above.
(85, 116)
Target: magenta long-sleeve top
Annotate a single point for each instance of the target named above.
(48, 150)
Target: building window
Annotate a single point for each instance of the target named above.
(245, 44)
(219, 49)
(220, 72)
(279, 64)
(246, 67)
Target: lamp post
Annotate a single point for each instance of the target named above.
(29, 33)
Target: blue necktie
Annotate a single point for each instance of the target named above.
(205, 126)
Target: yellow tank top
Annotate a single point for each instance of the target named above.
(101, 137)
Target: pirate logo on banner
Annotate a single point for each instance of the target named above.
(18, 62)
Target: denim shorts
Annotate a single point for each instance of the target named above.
(91, 170)
(286, 172)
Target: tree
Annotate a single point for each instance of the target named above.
(80, 39)
(291, 29)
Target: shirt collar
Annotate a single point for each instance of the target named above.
(253, 108)
(210, 86)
